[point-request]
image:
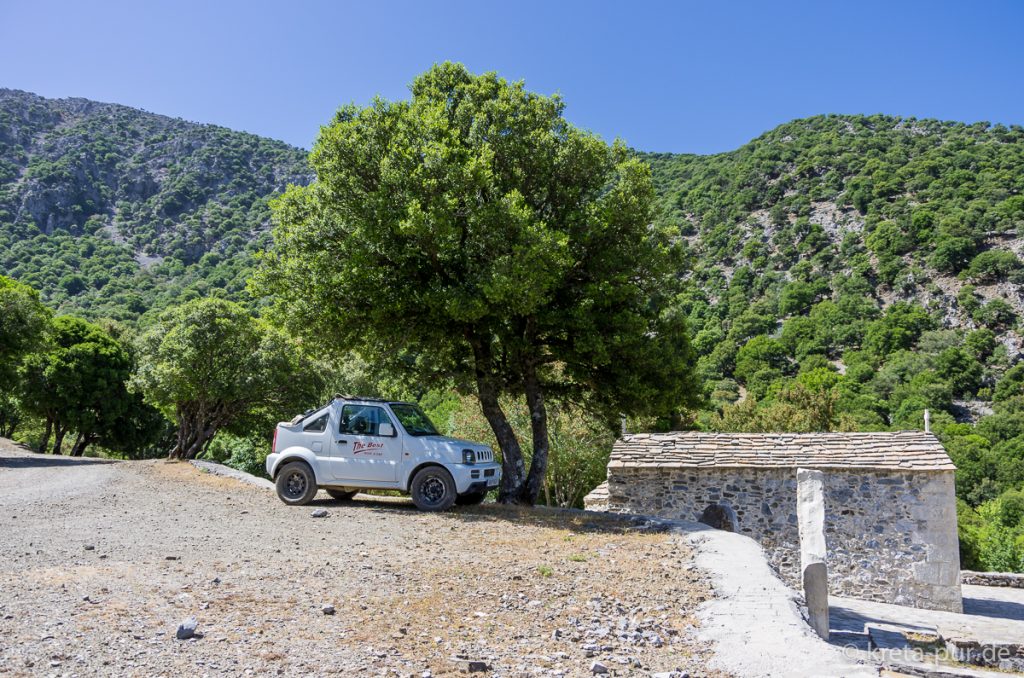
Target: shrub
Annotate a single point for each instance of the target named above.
(245, 454)
(993, 265)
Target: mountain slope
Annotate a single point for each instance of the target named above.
(871, 210)
(110, 210)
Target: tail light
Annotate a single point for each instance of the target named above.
(273, 445)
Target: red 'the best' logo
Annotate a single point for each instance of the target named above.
(366, 447)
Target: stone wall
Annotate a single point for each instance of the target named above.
(1005, 579)
(891, 536)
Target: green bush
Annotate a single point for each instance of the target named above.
(244, 454)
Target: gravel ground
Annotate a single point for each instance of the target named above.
(101, 561)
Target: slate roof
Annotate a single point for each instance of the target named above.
(897, 451)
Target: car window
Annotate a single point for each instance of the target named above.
(413, 419)
(318, 425)
(363, 420)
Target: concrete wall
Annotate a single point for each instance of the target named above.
(891, 536)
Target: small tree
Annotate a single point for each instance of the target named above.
(473, 236)
(210, 365)
(76, 382)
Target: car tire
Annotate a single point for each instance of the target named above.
(296, 484)
(470, 498)
(342, 495)
(433, 489)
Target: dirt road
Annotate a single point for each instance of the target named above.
(100, 561)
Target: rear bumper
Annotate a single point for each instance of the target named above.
(475, 477)
(271, 461)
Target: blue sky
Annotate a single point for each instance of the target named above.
(663, 76)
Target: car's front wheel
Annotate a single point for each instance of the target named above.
(433, 489)
(296, 484)
(342, 495)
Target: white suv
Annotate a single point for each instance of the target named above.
(354, 444)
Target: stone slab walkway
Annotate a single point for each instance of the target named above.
(992, 623)
(754, 619)
(991, 614)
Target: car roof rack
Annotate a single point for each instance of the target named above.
(346, 396)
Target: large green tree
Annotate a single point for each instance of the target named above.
(473, 235)
(209, 365)
(76, 382)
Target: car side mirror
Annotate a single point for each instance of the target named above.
(386, 430)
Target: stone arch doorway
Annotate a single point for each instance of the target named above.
(720, 517)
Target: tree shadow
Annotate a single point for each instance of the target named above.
(997, 609)
(575, 520)
(49, 460)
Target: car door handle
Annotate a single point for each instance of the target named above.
(342, 442)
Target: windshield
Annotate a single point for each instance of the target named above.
(413, 420)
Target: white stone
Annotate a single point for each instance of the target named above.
(810, 508)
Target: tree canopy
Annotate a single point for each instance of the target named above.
(77, 382)
(472, 235)
(209, 365)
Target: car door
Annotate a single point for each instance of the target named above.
(314, 434)
(361, 452)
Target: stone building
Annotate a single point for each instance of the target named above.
(890, 508)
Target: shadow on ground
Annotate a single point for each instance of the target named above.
(46, 460)
(574, 520)
(998, 609)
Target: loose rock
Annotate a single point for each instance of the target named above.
(319, 513)
(327, 609)
(187, 628)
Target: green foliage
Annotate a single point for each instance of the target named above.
(119, 211)
(23, 325)
(248, 454)
(580, 444)
(990, 539)
(77, 381)
(759, 362)
(993, 265)
(835, 238)
(472, 236)
(803, 406)
(899, 328)
(210, 365)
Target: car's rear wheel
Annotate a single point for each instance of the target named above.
(296, 484)
(433, 489)
(471, 498)
(342, 495)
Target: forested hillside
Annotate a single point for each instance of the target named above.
(111, 211)
(850, 272)
(847, 272)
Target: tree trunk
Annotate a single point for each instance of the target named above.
(195, 429)
(9, 420)
(83, 441)
(205, 434)
(539, 429)
(45, 442)
(513, 470)
(58, 441)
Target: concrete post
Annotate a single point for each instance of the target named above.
(810, 511)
